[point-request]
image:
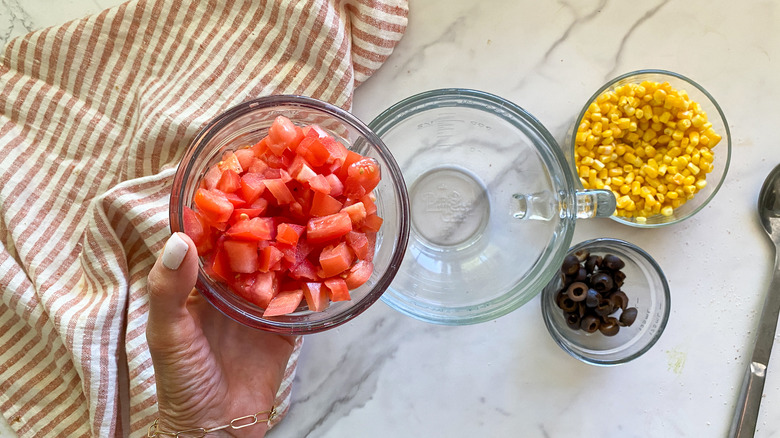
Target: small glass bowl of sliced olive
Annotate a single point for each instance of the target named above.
(608, 304)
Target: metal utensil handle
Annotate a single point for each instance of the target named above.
(746, 416)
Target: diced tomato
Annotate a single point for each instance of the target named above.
(357, 213)
(270, 257)
(242, 256)
(240, 214)
(322, 229)
(264, 289)
(283, 303)
(372, 223)
(305, 270)
(235, 199)
(368, 202)
(246, 157)
(257, 228)
(338, 153)
(336, 186)
(351, 158)
(335, 259)
(314, 131)
(338, 289)
(214, 205)
(358, 242)
(279, 189)
(362, 177)
(260, 203)
(283, 134)
(323, 205)
(261, 147)
(196, 227)
(359, 274)
(258, 166)
(212, 177)
(252, 186)
(230, 161)
(220, 267)
(313, 151)
(371, 236)
(284, 176)
(289, 233)
(229, 182)
(319, 184)
(316, 297)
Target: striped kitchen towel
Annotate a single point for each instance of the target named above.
(94, 117)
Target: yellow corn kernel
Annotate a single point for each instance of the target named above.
(667, 211)
(683, 124)
(598, 164)
(617, 181)
(694, 136)
(689, 180)
(649, 171)
(641, 219)
(603, 173)
(604, 150)
(625, 189)
(678, 179)
(623, 201)
(665, 117)
(698, 121)
(701, 184)
(583, 171)
(694, 168)
(587, 161)
(635, 187)
(671, 195)
(615, 171)
(704, 140)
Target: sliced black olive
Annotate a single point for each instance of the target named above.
(619, 300)
(589, 323)
(593, 262)
(619, 277)
(613, 262)
(571, 265)
(577, 291)
(601, 281)
(628, 316)
(565, 303)
(604, 308)
(592, 298)
(573, 320)
(582, 255)
(582, 275)
(609, 328)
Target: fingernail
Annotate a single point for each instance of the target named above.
(174, 252)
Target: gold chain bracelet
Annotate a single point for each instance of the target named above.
(198, 432)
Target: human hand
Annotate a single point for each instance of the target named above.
(209, 369)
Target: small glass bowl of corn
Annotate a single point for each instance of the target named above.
(658, 140)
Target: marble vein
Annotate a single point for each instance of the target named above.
(578, 21)
(14, 20)
(619, 54)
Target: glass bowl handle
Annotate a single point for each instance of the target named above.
(595, 203)
(544, 206)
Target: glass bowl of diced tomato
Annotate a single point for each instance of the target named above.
(298, 210)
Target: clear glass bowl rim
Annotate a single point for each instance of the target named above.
(667, 299)
(185, 169)
(623, 77)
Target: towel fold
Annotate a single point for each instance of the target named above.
(94, 117)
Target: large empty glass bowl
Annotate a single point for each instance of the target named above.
(491, 200)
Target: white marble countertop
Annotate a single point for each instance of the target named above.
(388, 375)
